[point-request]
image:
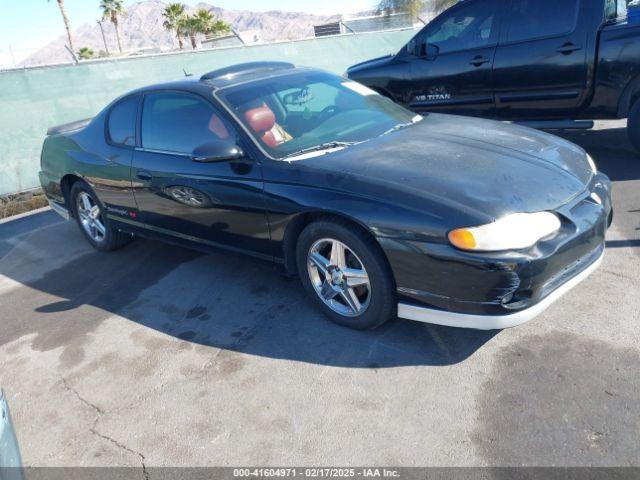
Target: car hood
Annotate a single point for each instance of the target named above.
(373, 63)
(490, 168)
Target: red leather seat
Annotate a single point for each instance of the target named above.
(270, 139)
(262, 120)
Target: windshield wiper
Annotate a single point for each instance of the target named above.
(322, 146)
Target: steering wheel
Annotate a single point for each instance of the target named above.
(326, 113)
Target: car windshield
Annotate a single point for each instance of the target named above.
(311, 112)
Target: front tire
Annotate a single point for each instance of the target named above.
(94, 224)
(345, 272)
(633, 125)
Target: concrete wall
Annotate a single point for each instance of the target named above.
(33, 100)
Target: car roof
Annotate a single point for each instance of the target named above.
(228, 76)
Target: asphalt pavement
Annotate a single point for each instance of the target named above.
(158, 355)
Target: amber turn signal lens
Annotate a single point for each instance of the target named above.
(463, 239)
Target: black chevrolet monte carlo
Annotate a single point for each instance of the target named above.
(381, 212)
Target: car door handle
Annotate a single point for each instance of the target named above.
(144, 175)
(479, 61)
(569, 48)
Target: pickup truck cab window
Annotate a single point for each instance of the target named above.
(529, 19)
(177, 122)
(121, 126)
(465, 27)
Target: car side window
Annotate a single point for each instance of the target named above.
(122, 122)
(530, 19)
(177, 122)
(464, 27)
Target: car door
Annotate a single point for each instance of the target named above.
(211, 203)
(451, 68)
(111, 165)
(540, 68)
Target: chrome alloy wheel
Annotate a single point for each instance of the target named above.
(90, 217)
(339, 277)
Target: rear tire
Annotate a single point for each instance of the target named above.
(90, 215)
(633, 125)
(345, 272)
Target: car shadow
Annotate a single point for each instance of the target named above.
(66, 291)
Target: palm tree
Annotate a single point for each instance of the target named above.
(173, 15)
(412, 7)
(111, 10)
(66, 22)
(442, 5)
(208, 24)
(202, 21)
(190, 27)
(85, 53)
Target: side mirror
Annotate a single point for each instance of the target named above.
(217, 151)
(430, 51)
(421, 49)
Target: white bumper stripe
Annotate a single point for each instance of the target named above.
(493, 322)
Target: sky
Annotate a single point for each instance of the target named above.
(26, 25)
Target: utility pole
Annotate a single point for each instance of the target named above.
(104, 40)
(238, 37)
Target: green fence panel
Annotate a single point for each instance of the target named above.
(32, 100)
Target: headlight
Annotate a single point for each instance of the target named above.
(592, 164)
(513, 232)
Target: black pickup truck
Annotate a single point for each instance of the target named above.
(553, 63)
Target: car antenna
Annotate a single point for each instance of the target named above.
(187, 74)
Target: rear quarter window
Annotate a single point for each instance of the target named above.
(121, 125)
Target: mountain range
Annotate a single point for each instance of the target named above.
(142, 28)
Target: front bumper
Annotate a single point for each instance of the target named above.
(492, 322)
(440, 284)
